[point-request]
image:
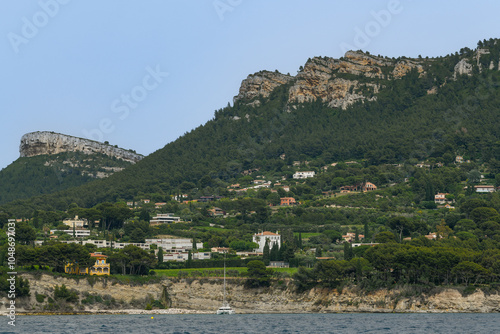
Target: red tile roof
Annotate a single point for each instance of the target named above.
(97, 255)
(267, 233)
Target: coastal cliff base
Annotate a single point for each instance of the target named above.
(107, 295)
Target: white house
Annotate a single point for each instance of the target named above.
(303, 175)
(79, 233)
(485, 189)
(183, 256)
(164, 218)
(76, 222)
(174, 244)
(440, 198)
(260, 239)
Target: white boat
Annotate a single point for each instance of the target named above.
(225, 308)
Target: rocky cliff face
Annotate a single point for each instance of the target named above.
(356, 77)
(206, 296)
(339, 82)
(44, 142)
(261, 84)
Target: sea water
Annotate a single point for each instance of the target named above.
(258, 323)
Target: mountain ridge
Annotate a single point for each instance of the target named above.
(52, 162)
(331, 80)
(415, 114)
(47, 142)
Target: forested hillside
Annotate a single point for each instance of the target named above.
(45, 174)
(374, 172)
(437, 110)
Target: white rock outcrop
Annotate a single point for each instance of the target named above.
(462, 67)
(45, 142)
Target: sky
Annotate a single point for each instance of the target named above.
(139, 74)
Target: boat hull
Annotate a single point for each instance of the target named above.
(225, 310)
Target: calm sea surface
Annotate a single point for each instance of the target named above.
(258, 323)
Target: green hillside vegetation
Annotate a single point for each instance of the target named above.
(406, 143)
(45, 174)
(405, 123)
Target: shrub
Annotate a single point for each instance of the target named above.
(40, 298)
(65, 294)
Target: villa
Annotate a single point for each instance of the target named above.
(99, 268)
(261, 239)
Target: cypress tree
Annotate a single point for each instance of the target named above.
(189, 260)
(274, 255)
(347, 251)
(266, 253)
(160, 255)
(319, 252)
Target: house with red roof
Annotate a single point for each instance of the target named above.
(266, 236)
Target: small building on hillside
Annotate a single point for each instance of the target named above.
(77, 233)
(184, 256)
(164, 218)
(431, 236)
(371, 244)
(180, 197)
(174, 244)
(216, 212)
(266, 236)
(364, 187)
(100, 267)
(205, 199)
(440, 198)
(287, 201)
(278, 264)
(368, 186)
(303, 175)
(484, 189)
(220, 249)
(76, 222)
(351, 236)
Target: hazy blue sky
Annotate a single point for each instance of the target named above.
(98, 69)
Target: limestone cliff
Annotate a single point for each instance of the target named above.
(462, 67)
(45, 142)
(356, 77)
(205, 295)
(341, 82)
(261, 84)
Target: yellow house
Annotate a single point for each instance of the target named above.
(75, 269)
(99, 268)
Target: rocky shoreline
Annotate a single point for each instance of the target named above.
(114, 312)
(204, 296)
